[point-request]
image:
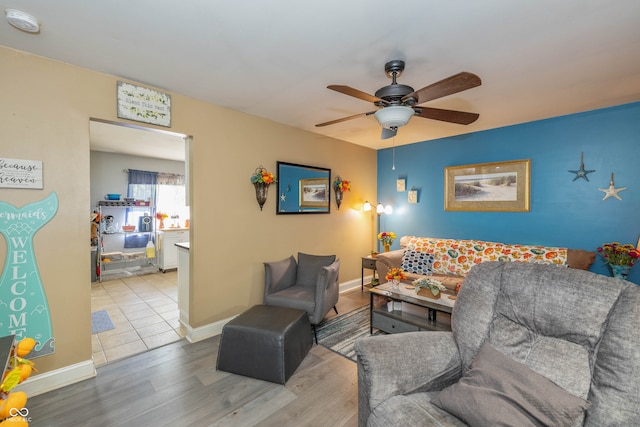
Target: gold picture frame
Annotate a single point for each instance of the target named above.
(314, 193)
(488, 187)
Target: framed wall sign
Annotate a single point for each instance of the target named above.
(143, 105)
(17, 173)
(498, 187)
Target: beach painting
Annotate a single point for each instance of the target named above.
(502, 186)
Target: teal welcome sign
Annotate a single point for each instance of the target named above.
(24, 311)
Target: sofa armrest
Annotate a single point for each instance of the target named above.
(404, 363)
(386, 261)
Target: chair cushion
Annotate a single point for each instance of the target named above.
(300, 297)
(497, 390)
(309, 267)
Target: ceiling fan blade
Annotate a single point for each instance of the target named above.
(452, 116)
(388, 133)
(347, 90)
(344, 119)
(449, 86)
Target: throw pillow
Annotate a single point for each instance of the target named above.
(309, 266)
(417, 262)
(498, 390)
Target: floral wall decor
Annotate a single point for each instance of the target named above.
(340, 186)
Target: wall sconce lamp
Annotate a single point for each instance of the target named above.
(366, 207)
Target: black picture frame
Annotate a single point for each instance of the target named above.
(303, 189)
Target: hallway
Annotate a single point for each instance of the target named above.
(144, 310)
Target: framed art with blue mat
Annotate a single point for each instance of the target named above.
(100, 322)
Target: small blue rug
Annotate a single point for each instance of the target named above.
(100, 322)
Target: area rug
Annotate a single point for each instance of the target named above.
(100, 322)
(340, 333)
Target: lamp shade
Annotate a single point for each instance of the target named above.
(394, 116)
(367, 206)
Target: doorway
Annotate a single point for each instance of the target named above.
(143, 309)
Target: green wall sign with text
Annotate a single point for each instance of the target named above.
(24, 311)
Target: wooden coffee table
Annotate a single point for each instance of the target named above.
(404, 321)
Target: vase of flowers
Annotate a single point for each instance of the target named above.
(161, 217)
(620, 258)
(395, 275)
(340, 186)
(432, 287)
(261, 180)
(387, 238)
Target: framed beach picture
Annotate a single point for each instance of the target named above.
(496, 187)
(303, 189)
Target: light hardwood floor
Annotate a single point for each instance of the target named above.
(178, 385)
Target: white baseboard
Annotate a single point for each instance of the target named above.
(212, 329)
(207, 331)
(52, 380)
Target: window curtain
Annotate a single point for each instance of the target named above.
(170, 179)
(142, 184)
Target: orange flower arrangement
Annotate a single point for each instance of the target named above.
(261, 175)
(395, 274)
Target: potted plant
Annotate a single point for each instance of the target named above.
(620, 258)
(429, 288)
(387, 238)
(395, 275)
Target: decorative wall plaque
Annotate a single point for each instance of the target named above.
(16, 173)
(143, 105)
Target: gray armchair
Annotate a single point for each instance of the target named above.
(310, 284)
(577, 329)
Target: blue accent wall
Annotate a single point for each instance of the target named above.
(563, 212)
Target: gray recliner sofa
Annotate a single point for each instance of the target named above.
(577, 329)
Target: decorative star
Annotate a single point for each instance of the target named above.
(283, 197)
(582, 173)
(612, 191)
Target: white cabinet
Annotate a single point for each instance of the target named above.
(167, 250)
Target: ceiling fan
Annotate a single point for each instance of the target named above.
(398, 102)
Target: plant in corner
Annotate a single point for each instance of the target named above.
(620, 258)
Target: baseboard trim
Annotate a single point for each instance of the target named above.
(212, 329)
(55, 379)
(203, 332)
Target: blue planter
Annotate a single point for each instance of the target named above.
(620, 271)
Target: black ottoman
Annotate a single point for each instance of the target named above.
(265, 342)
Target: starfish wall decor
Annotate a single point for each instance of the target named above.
(612, 191)
(582, 173)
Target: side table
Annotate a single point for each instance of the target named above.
(369, 263)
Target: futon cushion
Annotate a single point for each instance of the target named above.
(497, 390)
(309, 266)
(417, 262)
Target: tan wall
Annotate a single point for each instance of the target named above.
(45, 110)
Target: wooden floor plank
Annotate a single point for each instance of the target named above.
(178, 385)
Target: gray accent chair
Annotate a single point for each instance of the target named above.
(310, 284)
(578, 329)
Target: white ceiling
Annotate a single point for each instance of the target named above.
(274, 59)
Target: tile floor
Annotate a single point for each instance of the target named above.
(144, 310)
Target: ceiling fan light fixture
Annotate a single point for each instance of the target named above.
(394, 116)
